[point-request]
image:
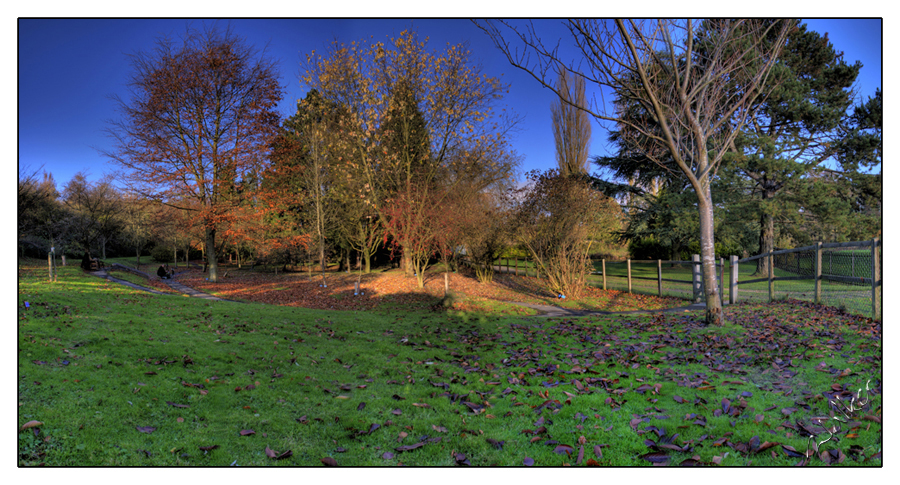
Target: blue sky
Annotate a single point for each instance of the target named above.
(68, 68)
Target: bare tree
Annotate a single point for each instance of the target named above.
(571, 125)
(96, 208)
(696, 84)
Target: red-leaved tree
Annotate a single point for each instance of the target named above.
(199, 121)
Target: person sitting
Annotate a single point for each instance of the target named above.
(162, 273)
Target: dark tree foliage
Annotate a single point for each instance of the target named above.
(796, 128)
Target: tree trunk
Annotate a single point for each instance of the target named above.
(103, 246)
(138, 253)
(211, 255)
(766, 236)
(322, 252)
(367, 258)
(406, 264)
(420, 273)
(708, 261)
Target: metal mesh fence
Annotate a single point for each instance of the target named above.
(846, 278)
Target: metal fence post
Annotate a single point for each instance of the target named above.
(876, 277)
(629, 274)
(771, 277)
(733, 290)
(695, 271)
(603, 269)
(818, 272)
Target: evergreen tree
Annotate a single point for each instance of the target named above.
(795, 129)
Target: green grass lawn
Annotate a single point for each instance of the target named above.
(120, 377)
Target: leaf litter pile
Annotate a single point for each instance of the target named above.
(147, 380)
(393, 289)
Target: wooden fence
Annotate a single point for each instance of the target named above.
(821, 268)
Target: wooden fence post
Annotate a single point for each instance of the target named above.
(733, 290)
(818, 272)
(876, 278)
(695, 271)
(50, 266)
(628, 261)
(659, 276)
(446, 284)
(603, 269)
(771, 277)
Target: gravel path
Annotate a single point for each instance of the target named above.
(186, 290)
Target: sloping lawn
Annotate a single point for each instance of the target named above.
(119, 377)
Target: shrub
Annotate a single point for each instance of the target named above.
(161, 254)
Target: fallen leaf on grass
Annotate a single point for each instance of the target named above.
(208, 448)
(30, 424)
(496, 444)
(691, 462)
(387, 455)
(170, 403)
(528, 461)
(655, 457)
(792, 452)
(145, 429)
(409, 447)
(361, 406)
(461, 459)
(329, 461)
(563, 449)
(247, 432)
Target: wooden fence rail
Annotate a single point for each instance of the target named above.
(696, 280)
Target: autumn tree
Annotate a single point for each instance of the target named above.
(418, 123)
(200, 117)
(571, 125)
(557, 220)
(697, 99)
(302, 172)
